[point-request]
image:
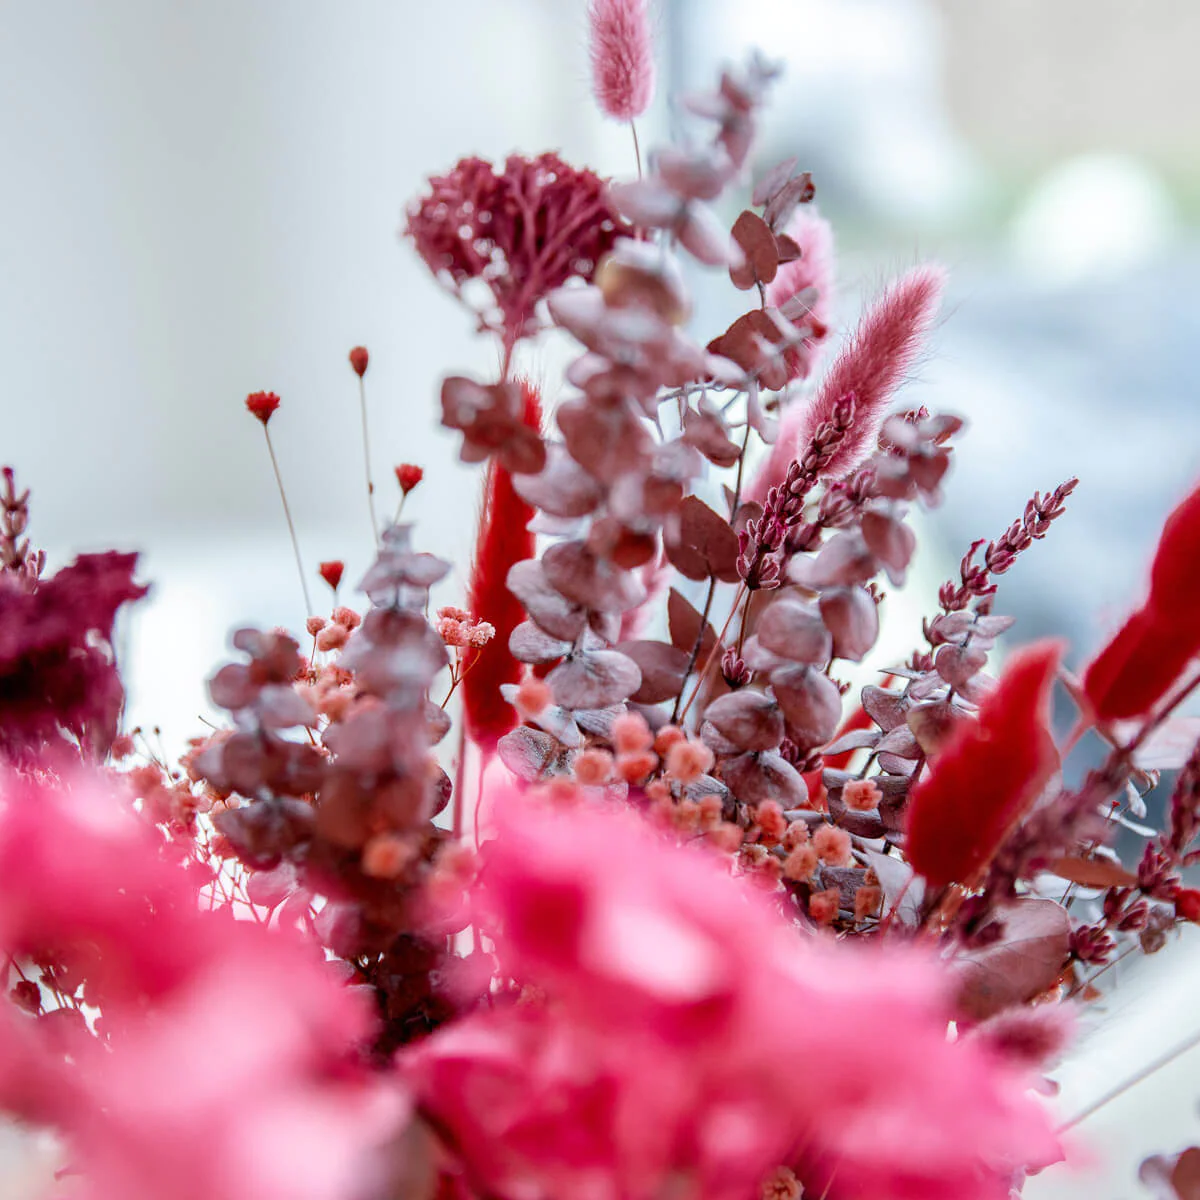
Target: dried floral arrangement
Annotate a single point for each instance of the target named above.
(694, 918)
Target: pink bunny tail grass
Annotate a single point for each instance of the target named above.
(622, 57)
(871, 366)
(503, 541)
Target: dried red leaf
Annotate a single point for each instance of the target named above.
(1025, 961)
(1137, 668)
(851, 616)
(795, 630)
(1093, 872)
(703, 545)
(988, 774)
(747, 719)
(683, 622)
(546, 606)
(594, 679)
(811, 703)
(581, 576)
(562, 488)
(760, 254)
(662, 667)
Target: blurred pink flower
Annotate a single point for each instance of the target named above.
(221, 1065)
(693, 1034)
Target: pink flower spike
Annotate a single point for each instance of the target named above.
(871, 366)
(622, 57)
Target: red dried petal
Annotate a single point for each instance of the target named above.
(262, 405)
(988, 775)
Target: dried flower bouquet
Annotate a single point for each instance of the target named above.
(694, 918)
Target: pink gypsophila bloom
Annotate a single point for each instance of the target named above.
(662, 973)
(870, 367)
(622, 57)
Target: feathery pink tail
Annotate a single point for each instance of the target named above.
(622, 57)
(870, 367)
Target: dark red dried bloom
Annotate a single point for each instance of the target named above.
(408, 475)
(359, 358)
(988, 773)
(262, 405)
(504, 540)
(524, 231)
(331, 572)
(57, 675)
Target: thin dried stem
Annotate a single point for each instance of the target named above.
(1137, 1077)
(366, 439)
(287, 512)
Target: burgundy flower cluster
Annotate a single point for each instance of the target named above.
(691, 912)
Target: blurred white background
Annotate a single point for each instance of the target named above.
(202, 200)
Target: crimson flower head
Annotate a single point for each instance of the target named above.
(359, 358)
(408, 475)
(331, 572)
(524, 231)
(262, 405)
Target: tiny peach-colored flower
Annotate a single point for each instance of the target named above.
(861, 795)
(636, 766)
(630, 733)
(593, 768)
(800, 863)
(796, 835)
(832, 845)
(314, 625)
(726, 836)
(533, 697)
(771, 822)
(480, 633)
(866, 901)
(782, 1184)
(332, 637)
(666, 737)
(386, 855)
(823, 906)
(346, 617)
(688, 760)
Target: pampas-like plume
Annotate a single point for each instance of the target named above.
(870, 367)
(503, 541)
(622, 57)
